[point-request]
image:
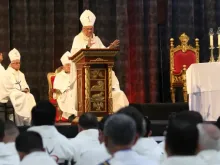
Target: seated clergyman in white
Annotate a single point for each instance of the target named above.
(20, 96)
(87, 39)
(67, 97)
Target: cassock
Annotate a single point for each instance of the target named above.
(84, 141)
(149, 148)
(38, 158)
(94, 156)
(8, 155)
(55, 144)
(129, 157)
(22, 102)
(80, 41)
(67, 100)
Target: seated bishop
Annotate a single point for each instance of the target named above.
(66, 95)
(20, 96)
(87, 39)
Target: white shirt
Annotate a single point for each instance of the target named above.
(8, 154)
(94, 156)
(149, 148)
(210, 156)
(129, 157)
(57, 145)
(38, 158)
(183, 160)
(84, 141)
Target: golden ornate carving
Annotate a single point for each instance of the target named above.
(99, 87)
(98, 106)
(87, 89)
(97, 74)
(110, 103)
(98, 97)
(98, 60)
(178, 80)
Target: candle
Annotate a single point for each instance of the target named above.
(211, 41)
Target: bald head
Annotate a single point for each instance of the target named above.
(11, 132)
(209, 136)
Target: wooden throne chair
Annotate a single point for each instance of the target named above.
(181, 57)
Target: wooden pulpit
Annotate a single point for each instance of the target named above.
(94, 80)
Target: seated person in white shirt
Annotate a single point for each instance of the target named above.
(119, 137)
(181, 142)
(67, 98)
(209, 143)
(99, 154)
(7, 155)
(144, 146)
(56, 145)
(21, 98)
(88, 136)
(11, 133)
(30, 149)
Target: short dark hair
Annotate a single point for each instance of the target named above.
(2, 129)
(181, 137)
(137, 117)
(192, 117)
(88, 121)
(29, 141)
(102, 122)
(121, 129)
(44, 113)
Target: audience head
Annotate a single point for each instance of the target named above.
(11, 131)
(181, 138)
(119, 132)
(137, 117)
(43, 113)
(87, 121)
(2, 130)
(15, 58)
(182, 134)
(209, 137)
(101, 128)
(191, 116)
(1, 57)
(28, 142)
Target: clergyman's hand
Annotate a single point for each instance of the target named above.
(114, 44)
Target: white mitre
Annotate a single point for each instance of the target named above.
(65, 58)
(14, 55)
(87, 18)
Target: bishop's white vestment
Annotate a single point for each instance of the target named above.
(80, 41)
(67, 99)
(21, 101)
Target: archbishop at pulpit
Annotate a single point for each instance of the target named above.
(87, 39)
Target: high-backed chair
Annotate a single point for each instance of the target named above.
(50, 78)
(181, 57)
